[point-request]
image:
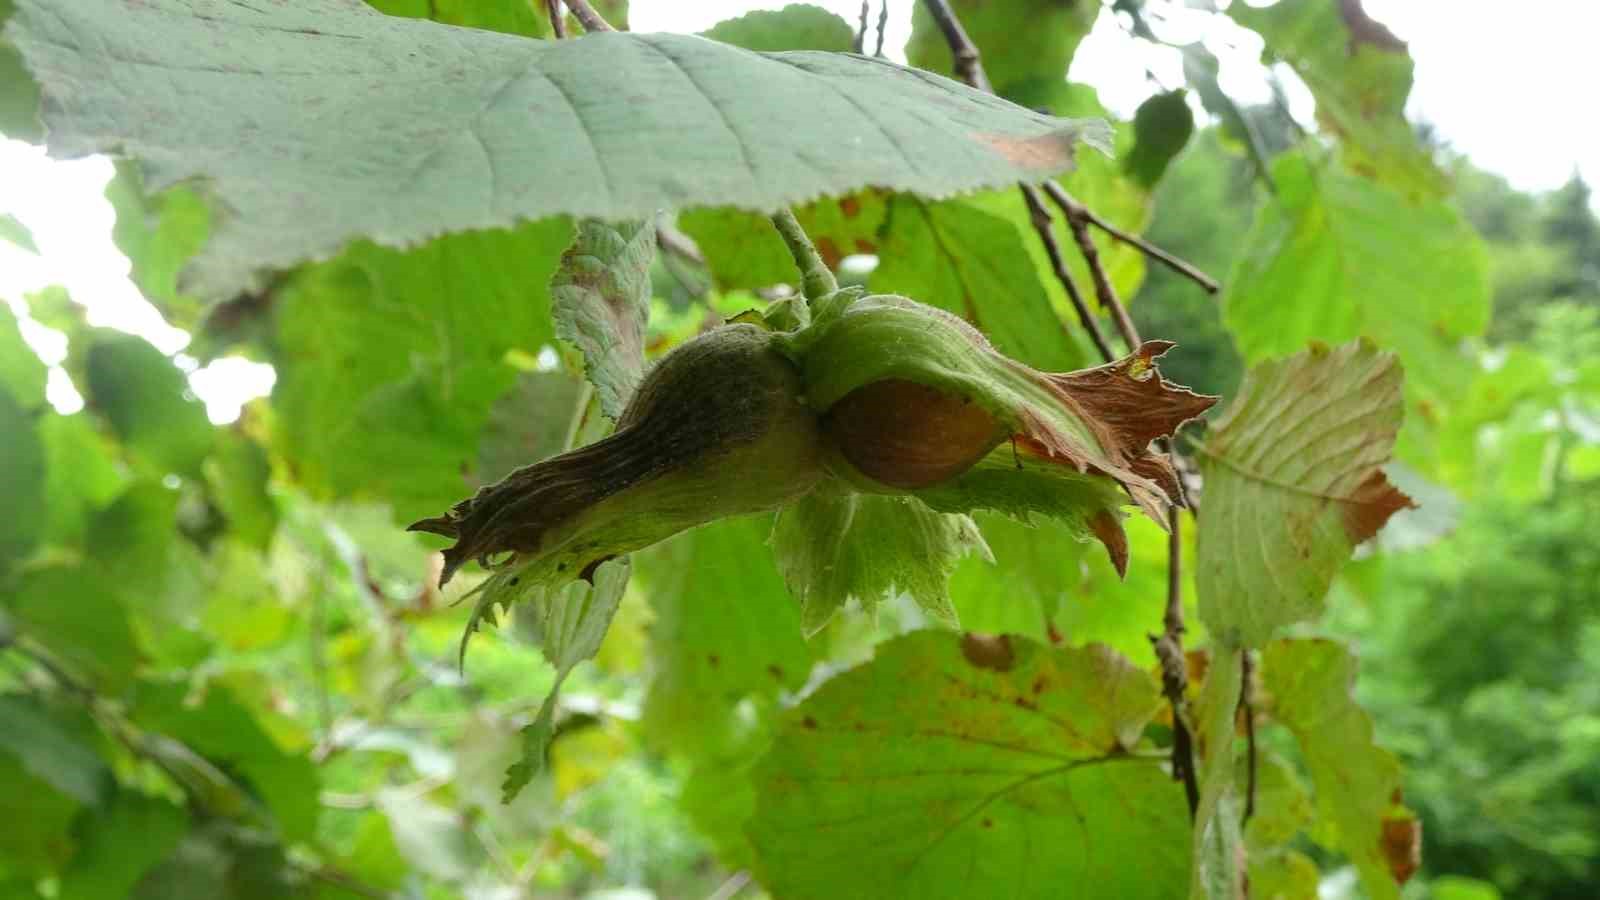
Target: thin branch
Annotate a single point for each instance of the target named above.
(1043, 225)
(860, 45)
(1247, 704)
(558, 19)
(816, 279)
(1174, 665)
(1074, 209)
(883, 26)
(968, 62)
(587, 17)
(737, 881)
(1107, 294)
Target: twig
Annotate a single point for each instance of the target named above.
(1174, 665)
(1246, 703)
(968, 62)
(558, 19)
(883, 26)
(737, 881)
(1107, 294)
(816, 279)
(348, 882)
(860, 45)
(1076, 210)
(1043, 225)
(587, 17)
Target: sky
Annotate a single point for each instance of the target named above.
(1506, 84)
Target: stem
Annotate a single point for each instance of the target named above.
(1246, 698)
(1043, 225)
(558, 21)
(1074, 209)
(587, 17)
(861, 32)
(968, 62)
(1175, 667)
(883, 26)
(816, 279)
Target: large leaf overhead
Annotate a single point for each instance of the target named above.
(322, 121)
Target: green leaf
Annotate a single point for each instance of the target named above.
(22, 481)
(1337, 256)
(12, 231)
(435, 124)
(1219, 852)
(44, 813)
(74, 613)
(1292, 483)
(50, 752)
(81, 475)
(960, 258)
(798, 26)
(954, 766)
(1162, 126)
(529, 422)
(725, 630)
(1356, 782)
(1013, 53)
(389, 363)
(21, 371)
(600, 300)
(1200, 69)
(221, 728)
(1360, 75)
(833, 547)
(743, 251)
(146, 398)
(119, 843)
(432, 839)
(19, 94)
(569, 625)
(505, 16)
(159, 235)
(237, 474)
(1286, 875)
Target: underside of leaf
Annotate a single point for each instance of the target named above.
(366, 125)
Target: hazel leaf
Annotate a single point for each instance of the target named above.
(364, 125)
(1293, 483)
(600, 300)
(834, 546)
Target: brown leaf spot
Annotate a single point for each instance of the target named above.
(1039, 684)
(1371, 505)
(830, 251)
(988, 651)
(808, 723)
(1108, 528)
(1401, 845)
(1025, 703)
(850, 207)
(1048, 153)
(1055, 636)
(988, 822)
(775, 672)
(865, 247)
(713, 660)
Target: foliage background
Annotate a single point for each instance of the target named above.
(227, 673)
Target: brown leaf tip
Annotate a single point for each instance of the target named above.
(1108, 528)
(1401, 846)
(1370, 506)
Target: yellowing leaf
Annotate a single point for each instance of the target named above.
(1292, 483)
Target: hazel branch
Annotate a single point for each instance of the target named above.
(1073, 209)
(587, 17)
(558, 21)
